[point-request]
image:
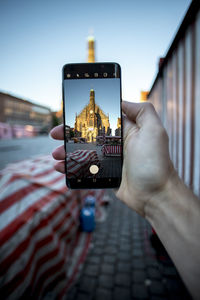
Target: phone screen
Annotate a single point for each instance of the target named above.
(92, 119)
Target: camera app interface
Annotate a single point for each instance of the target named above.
(93, 128)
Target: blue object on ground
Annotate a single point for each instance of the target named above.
(90, 201)
(87, 219)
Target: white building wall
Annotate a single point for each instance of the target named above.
(176, 97)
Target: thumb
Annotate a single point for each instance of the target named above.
(140, 113)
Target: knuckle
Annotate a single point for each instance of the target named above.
(163, 132)
(149, 106)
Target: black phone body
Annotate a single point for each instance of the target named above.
(93, 133)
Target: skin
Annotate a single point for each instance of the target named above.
(150, 186)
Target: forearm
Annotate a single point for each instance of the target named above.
(175, 215)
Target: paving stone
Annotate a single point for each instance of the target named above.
(124, 239)
(107, 269)
(138, 252)
(103, 294)
(137, 230)
(169, 271)
(112, 243)
(122, 279)
(124, 256)
(99, 244)
(137, 238)
(123, 267)
(110, 250)
(125, 233)
(91, 270)
(109, 258)
(81, 296)
(125, 247)
(87, 284)
(150, 251)
(122, 245)
(140, 291)
(106, 281)
(121, 294)
(97, 251)
(94, 259)
(137, 244)
(139, 276)
(138, 235)
(154, 273)
(161, 298)
(157, 288)
(138, 264)
(102, 231)
(71, 294)
(114, 235)
(173, 286)
(151, 262)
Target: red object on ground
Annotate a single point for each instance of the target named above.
(109, 150)
(79, 162)
(41, 247)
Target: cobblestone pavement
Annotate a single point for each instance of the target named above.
(122, 264)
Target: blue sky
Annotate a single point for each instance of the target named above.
(107, 96)
(38, 37)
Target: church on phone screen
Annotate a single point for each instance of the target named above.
(92, 121)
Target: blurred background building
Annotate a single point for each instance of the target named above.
(175, 94)
(22, 118)
(143, 96)
(118, 130)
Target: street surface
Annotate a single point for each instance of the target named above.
(123, 265)
(14, 150)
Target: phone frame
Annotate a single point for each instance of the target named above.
(91, 68)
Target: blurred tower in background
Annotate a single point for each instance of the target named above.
(91, 49)
(57, 116)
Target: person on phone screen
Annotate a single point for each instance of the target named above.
(151, 186)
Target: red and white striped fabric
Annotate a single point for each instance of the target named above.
(79, 162)
(41, 247)
(111, 150)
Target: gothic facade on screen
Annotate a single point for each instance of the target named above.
(92, 121)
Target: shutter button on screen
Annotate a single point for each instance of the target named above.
(94, 169)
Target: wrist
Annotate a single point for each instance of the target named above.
(174, 213)
(163, 199)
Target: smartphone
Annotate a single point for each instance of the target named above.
(92, 125)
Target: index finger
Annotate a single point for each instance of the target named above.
(57, 132)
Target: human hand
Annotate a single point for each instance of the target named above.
(57, 133)
(147, 165)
